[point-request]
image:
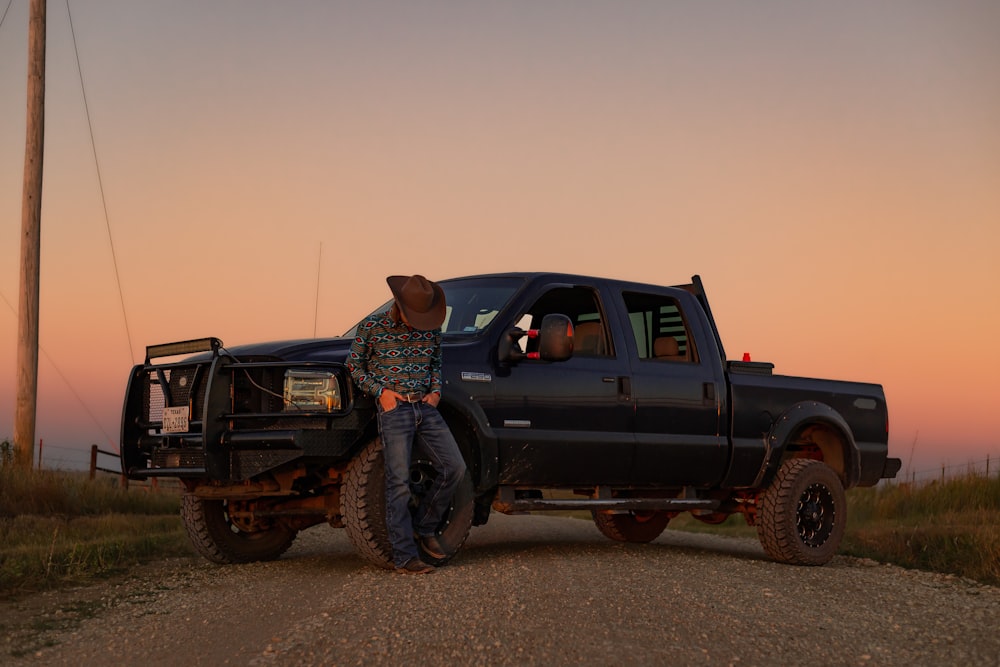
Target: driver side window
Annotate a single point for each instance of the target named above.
(583, 307)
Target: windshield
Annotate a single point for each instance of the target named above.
(473, 303)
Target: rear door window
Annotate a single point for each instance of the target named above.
(659, 327)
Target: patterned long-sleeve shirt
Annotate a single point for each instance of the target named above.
(387, 354)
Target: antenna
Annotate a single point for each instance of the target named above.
(319, 267)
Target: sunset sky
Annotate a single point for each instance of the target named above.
(831, 170)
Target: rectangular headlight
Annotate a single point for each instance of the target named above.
(311, 391)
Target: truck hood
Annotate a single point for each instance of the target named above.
(308, 349)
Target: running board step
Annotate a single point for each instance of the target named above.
(507, 502)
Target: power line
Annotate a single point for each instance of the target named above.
(65, 379)
(319, 269)
(4, 17)
(100, 184)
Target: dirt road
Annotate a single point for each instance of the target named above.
(525, 590)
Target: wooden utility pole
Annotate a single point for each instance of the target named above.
(31, 225)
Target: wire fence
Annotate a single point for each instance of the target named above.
(96, 462)
(99, 458)
(987, 467)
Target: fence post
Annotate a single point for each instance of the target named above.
(93, 461)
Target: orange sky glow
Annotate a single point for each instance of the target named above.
(831, 171)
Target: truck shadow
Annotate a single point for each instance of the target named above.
(528, 538)
(505, 536)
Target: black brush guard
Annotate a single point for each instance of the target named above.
(238, 426)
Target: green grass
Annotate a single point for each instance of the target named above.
(59, 528)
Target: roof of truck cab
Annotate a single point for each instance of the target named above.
(550, 275)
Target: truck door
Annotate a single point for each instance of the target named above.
(566, 423)
(677, 394)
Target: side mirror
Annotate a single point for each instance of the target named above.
(555, 340)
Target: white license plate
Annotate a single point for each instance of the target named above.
(175, 420)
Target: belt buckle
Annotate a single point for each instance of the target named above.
(413, 397)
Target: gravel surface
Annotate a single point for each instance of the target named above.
(535, 590)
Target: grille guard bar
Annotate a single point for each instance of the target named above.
(213, 426)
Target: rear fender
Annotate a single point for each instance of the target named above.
(816, 424)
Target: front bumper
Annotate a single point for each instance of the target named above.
(242, 417)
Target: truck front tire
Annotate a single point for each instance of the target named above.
(802, 514)
(362, 504)
(216, 537)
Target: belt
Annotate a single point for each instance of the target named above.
(412, 397)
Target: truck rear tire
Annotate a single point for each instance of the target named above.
(802, 514)
(216, 537)
(362, 504)
(631, 526)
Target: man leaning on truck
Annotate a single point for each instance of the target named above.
(396, 358)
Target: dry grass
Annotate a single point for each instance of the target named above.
(58, 528)
(951, 526)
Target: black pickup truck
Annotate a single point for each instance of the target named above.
(563, 392)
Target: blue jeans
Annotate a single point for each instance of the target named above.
(401, 428)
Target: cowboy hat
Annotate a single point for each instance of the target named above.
(421, 301)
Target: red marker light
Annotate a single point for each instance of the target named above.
(746, 356)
